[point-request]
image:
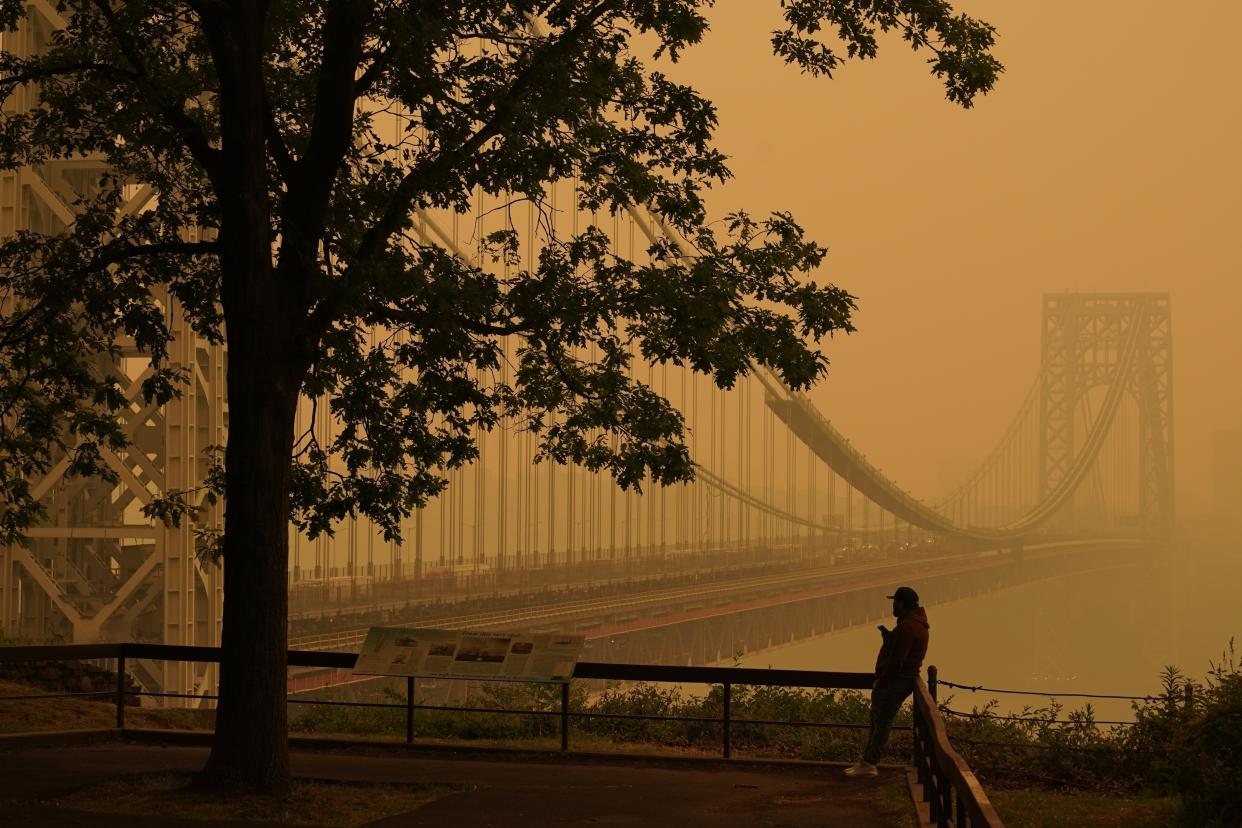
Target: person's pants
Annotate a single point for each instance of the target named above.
(886, 700)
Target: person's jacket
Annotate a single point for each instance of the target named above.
(903, 650)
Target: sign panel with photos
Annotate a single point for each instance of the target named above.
(398, 651)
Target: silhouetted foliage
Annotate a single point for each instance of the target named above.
(282, 222)
(1207, 767)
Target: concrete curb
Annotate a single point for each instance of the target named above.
(198, 738)
(58, 738)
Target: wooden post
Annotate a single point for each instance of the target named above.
(728, 691)
(944, 820)
(914, 733)
(932, 681)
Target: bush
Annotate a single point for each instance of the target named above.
(1184, 742)
(1043, 747)
(1209, 771)
(697, 726)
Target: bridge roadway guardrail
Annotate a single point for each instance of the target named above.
(563, 610)
(956, 798)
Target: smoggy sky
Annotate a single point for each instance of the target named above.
(1106, 159)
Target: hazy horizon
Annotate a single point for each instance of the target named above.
(1105, 160)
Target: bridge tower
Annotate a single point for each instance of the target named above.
(96, 569)
(1085, 338)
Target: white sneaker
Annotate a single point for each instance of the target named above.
(861, 768)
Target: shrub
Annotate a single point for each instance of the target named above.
(1209, 771)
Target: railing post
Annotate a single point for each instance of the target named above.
(120, 690)
(932, 681)
(728, 692)
(564, 716)
(409, 709)
(915, 718)
(944, 787)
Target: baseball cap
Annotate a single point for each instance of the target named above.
(906, 595)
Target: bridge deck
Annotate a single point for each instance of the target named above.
(531, 790)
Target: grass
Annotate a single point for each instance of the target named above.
(896, 803)
(31, 715)
(309, 802)
(1021, 808)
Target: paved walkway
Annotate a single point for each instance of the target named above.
(510, 792)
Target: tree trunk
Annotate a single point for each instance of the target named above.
(250, 750)
(268, 358)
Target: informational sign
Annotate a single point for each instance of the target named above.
(398, 651)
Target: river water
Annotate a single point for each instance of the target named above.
(1106, 631)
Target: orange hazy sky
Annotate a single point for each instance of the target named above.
(1107, 159)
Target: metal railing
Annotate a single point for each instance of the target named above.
(956, 798)
(949, 786)
(726, 677)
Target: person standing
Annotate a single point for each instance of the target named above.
(896, 668)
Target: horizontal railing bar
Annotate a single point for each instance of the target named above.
(645, 717)
(108, 693)
(498, 710)
(581, 714)
(848, 725)
(336, 703)
(59, 652)
(172, 652)
(719, 675)
(584, 669)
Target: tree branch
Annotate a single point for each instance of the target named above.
(276, 141)
(117, 253)
(383, 59)
(422, 175)
(191, 132)
(9, 83)
(331, 128)
(570, 381)
(107, 255)
(505, 108)
(397, 316)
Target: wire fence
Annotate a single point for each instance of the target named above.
(979, 688)
(1187, 699)
(1040, 719)
(1037, 746)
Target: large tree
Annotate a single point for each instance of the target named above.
(283, 226)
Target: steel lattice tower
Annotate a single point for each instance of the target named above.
(1086, 338)
(97, 570)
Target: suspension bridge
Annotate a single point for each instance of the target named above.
(787, 517)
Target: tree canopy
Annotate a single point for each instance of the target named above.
(283, 223)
